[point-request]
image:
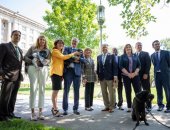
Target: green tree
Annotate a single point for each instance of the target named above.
(72, 18)
(165, 43)
(136, 15)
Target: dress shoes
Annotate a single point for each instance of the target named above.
(106, 109)
(76, 112)
(4, 118)
(65, 113)
(160, 108)
(121, 108)
(12, 115)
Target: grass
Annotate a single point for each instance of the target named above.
(19, 124)
(25, 90)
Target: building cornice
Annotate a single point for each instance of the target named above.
(14, 14)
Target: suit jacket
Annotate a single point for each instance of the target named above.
(77, 66)
(89, 70)
(164, 63)
(10, 66)
(109, 69)
(124, 62)
(145, 61)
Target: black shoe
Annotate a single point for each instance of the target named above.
(148, 109)
(160, 108)
(65, 113)
(4, 118)
(12, 115)
(121, 108)
(76, 112)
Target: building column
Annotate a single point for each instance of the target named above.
(9, 31)
(0, 30)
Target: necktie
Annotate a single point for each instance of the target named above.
(17, 52)
(157, 56)
(137, 53)
(117, 59)
(157, 62)
(103, 58)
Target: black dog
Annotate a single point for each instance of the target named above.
(138, 107)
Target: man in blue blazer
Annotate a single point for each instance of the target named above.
(144, 72)
(107, 74)
(72, 73)
(161, 61)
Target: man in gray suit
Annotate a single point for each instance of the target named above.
(161, 61)
(10, 71)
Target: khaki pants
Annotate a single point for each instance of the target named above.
(38, 78)
(109, 93)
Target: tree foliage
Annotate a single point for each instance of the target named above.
(72, 18)
(136, 15)
(165, 43)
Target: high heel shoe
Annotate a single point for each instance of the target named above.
(54, 112)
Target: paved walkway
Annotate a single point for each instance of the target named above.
(94, 120)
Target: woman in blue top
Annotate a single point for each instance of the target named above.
(130, 66)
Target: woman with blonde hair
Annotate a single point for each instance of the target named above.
(56, 71)
(37, 60)
(89, 77)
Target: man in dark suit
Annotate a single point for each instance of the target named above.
(161, 61)
(107, 75)
(10, 71)
(144, 72)
(72, 73)
(119, 84)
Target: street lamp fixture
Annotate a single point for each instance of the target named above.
(101, 14)
(101, 19)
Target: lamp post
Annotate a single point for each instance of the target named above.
(100, 19)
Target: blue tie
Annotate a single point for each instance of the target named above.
(103, 58)
(17, 52)
(157, 62)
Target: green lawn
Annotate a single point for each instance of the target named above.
(19, 124)
(25, 90)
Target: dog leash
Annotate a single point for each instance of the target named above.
(157, 119)
(149, 112)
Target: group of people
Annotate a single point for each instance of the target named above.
(71, 65)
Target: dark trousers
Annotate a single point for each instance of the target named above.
(136, 87)
(161, 83)
(70, 77)
(120, 90)
(8, 95)
(145, 85)
(89, 90)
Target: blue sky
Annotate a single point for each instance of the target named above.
(34, 9)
